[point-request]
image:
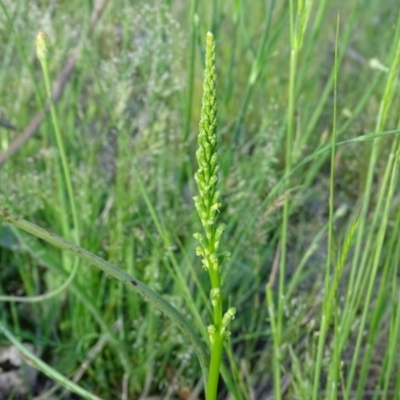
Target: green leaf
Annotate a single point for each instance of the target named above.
(131, 282)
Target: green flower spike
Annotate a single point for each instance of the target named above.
(208, 205)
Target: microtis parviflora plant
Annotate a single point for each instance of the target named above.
(208, 205)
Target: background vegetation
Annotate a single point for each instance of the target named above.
(314, 281)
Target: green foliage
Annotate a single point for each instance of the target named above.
(128, 121)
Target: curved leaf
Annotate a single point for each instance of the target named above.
(132, 283)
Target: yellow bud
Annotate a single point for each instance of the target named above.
(41, 46)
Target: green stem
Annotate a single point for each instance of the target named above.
(60, 145)
(215, 364)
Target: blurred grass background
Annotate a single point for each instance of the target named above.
(129, 117)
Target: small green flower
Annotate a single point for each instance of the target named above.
(211, 333)
(228, 316)
(215, 295)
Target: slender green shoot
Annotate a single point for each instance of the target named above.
(298, 24)
(208, 205)
(64, 184)
(329, 289)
